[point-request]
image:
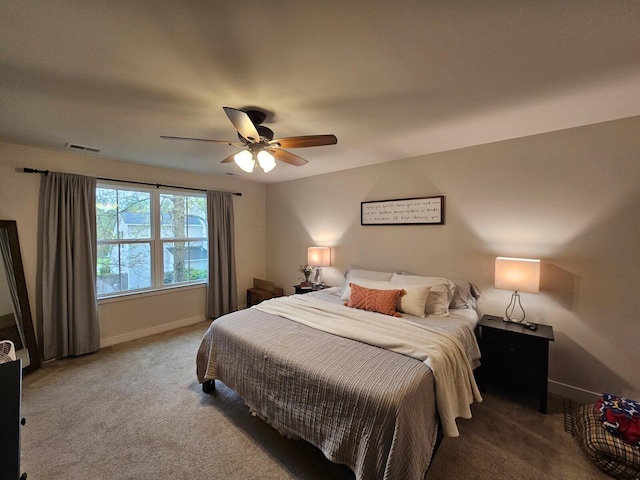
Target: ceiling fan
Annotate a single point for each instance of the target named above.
(258, 143)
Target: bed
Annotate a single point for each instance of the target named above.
(362, 398)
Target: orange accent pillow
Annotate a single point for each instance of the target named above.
(372, 300)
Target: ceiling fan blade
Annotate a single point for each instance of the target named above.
(305, 141)
(243, 124)
(229, 159)
(225, 142)
(288, 157)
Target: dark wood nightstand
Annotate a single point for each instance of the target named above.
(314, 288)
(514, 357)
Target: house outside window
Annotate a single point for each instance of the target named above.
(149, 239)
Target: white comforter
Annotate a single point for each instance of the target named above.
(456, 388)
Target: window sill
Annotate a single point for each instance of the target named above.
(122, 297)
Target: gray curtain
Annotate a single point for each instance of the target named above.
(222, 296)
(69, 302)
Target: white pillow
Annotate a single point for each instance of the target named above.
(465, 295)
(440, 294)
(413, 302)
(361, 274)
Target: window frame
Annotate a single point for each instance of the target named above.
(155, 241)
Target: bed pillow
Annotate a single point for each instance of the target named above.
(440, 295)
(412, 302)
(353, 273)
(381, 301)
(465, 295)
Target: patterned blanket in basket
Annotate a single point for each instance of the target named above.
(609, 453)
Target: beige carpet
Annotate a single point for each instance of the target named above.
(136, 411)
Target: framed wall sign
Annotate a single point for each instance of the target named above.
(405, 211)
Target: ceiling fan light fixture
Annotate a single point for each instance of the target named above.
(258, 143)
(244, 160)
(266, 161)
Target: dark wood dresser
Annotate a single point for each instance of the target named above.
(10, 420)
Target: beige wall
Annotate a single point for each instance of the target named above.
(138, 315)
(570, 198)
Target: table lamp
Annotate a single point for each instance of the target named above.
(318, 257)
(518, 275)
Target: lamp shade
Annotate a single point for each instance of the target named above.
(518, 274)
(319, 256)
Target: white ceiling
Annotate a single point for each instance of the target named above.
(390, 80)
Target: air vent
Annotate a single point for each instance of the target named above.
(83, 148)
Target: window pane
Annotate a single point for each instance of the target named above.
(123, 267)
(183, 216)
(197, 211)
(106, 213)
(123, 214)
(134, 215)
(185, 261)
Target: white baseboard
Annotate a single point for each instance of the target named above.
(576, 394)
(146, 332)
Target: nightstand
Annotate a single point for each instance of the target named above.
(514, 357)
(314, 288)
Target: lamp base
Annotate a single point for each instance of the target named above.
(515, 313)
(317, 277)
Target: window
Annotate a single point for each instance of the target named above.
(149, 239)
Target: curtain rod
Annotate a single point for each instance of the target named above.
(157, 185)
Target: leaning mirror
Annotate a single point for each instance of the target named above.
(16, 323)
